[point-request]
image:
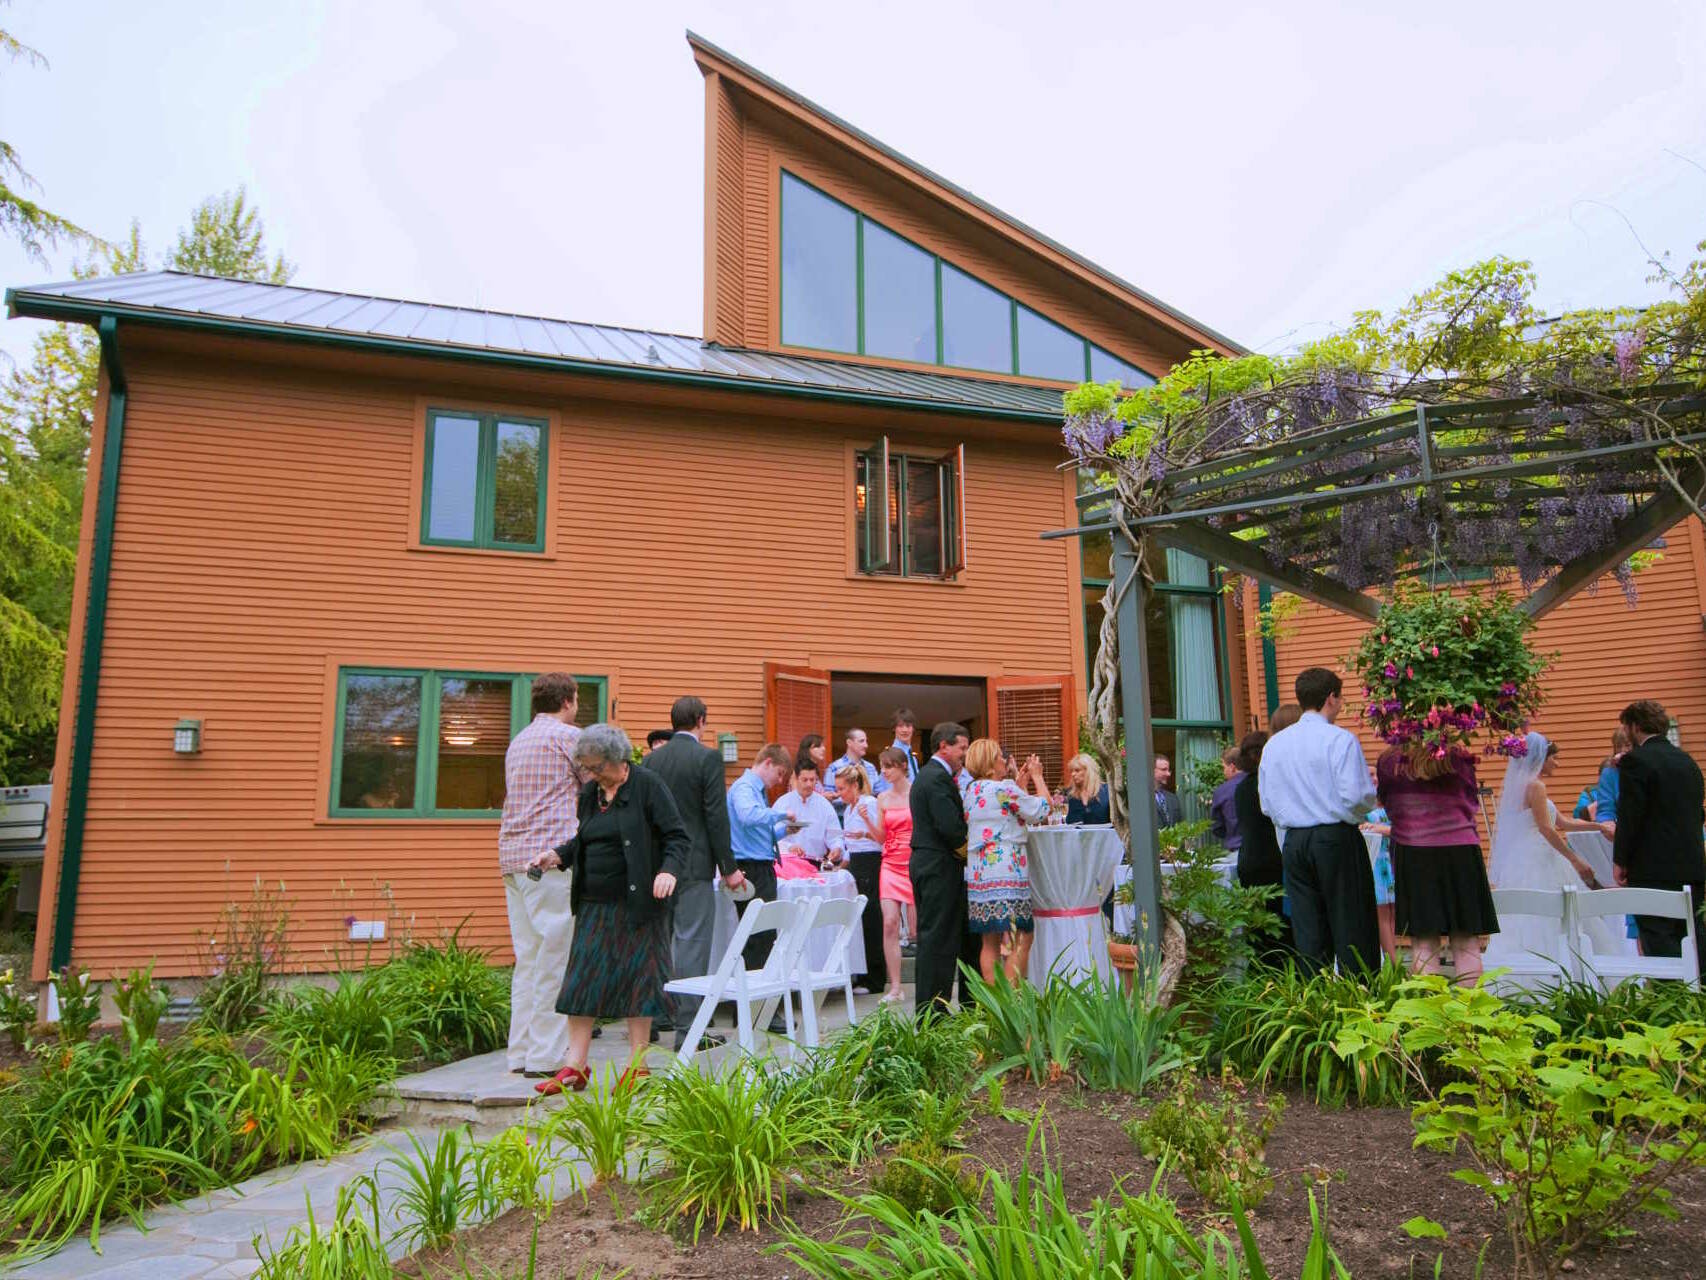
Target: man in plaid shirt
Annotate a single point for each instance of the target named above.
(542, 785)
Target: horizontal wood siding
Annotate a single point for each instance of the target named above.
(262, 538)
(1608, 656)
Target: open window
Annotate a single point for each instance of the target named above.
(1036, 715)
(909, 512)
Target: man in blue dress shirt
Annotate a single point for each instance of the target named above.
(754, 825)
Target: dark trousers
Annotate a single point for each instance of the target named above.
(866, 868)
(939, 892)
(1331, 887)
(1663, 937)
(762, 877)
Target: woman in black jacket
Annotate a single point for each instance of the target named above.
(1259, 861)
(627, 851)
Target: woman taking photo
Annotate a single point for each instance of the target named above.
(894, 882)
(998, 884)
(624, 859)
(862, 845)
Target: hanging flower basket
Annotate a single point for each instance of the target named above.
(1446, 671)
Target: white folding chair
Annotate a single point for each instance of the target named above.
(843, 915)
(1677, 904)
(732, 980)
(1530, 971)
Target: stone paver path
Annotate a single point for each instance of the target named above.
(211, 1237)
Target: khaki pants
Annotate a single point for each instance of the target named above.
(540, 929)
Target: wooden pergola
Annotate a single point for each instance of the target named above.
(1494, 474)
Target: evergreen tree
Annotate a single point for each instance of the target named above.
(20, 217)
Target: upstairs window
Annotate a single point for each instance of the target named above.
(908, 513)
(852, 285)
(485, 481)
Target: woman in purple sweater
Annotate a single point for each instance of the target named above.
(1439, 879)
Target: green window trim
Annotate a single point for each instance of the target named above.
(1013, 304)
(427, 733)
(485, 481)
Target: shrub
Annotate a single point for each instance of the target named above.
(729, 1143)
(1282, 1026)
(353, 1015)
(1569, 1137)
(1214, 1141)
(17, 1009)
(1220, 920)
(923, 1176)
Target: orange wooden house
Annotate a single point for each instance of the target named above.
(331, 537)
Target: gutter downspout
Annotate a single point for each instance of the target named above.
(1270, 656)
(94, 635)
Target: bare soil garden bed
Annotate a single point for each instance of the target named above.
(1363, 1159)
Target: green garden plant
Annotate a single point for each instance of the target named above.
(1219, 919)
(1571, 1138)
(448, 999)
(438, 1189)
(79, 1003)
(1586, 1009)
(1215, 1139)
(17, 1009)
(730, 1142)
(141, 1002)
(924, 1176)
(353, 1014)
(602, 1124)
(350, 1247)
(1282, 1027)
(244, 953)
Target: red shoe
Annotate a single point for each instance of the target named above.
(568, 1078)
(631, 1077)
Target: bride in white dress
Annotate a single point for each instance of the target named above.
(1530, 852)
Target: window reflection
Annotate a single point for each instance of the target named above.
(819, 261)
(900, 298)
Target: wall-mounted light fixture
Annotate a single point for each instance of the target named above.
(186, 738)
(730, 747)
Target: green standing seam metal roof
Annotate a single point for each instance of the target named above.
(215, 305)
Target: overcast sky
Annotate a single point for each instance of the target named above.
(1267, 168)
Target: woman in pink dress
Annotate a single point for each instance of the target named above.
(894, 881)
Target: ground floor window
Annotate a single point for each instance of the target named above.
(416, 743)
(1189, 697)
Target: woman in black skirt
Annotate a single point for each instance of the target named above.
(1439, 880)
(1259, 861)
(625, 856)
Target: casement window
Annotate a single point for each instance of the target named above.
(909, 512)
(485, 481)
(414, 743)
(851, 284)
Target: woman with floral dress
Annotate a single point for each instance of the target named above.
(998, 884)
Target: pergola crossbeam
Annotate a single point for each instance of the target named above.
(1245, 558)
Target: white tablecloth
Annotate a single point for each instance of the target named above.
(1594, 849)
(1072, 869)
(830, 884)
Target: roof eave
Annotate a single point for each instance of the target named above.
(38, 306)
(796, 105)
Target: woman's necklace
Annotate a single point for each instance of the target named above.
(608, 798)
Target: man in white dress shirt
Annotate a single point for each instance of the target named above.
(1314, 784)
(819, 836)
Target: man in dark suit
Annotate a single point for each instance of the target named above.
(1661, 803)
(694, 775)
(1167, 810)
(938, 867)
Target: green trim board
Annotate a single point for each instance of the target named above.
(427, 730)
(1129, 373)
(485, 481)
(89, 657)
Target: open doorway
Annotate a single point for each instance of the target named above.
(865, 701)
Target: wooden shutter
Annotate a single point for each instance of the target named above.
(796, 702)
(880, 551)
(953, 475)
(1036, 715)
